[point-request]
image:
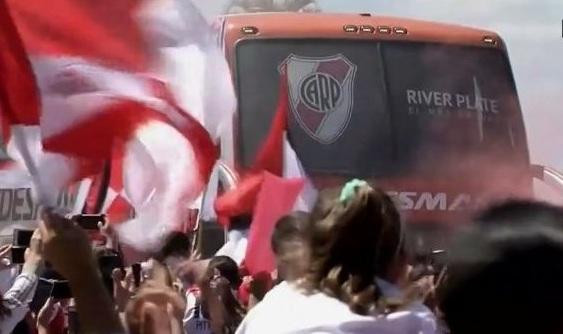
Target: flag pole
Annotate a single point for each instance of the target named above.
(104, 186)
(21, 144)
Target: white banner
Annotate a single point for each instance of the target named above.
(18, 205)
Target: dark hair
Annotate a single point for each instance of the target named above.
(516, 212)
(240, 222)
(290, 228)
(217, 290)
(228, 268)
(352, 242)
(507, 278)
(289, 244)
(260, 285)
(177, 244)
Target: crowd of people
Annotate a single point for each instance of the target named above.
(344, 268)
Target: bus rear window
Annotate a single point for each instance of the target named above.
(449, 104)
(370, 109)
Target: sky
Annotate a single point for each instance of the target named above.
(532, 30)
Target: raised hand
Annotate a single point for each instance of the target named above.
(47, 313)
(157, 307)
(66, 246)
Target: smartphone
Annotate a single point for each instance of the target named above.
(107, 263)
(73, 323)
(438, 253)
(89, 222)
(22, 237)
(61, 290)
(136, 267)
(439, 260)
(42, 293)
(429, 264)
(18, 254)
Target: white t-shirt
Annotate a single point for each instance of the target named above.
(286, 310)
(194, 320)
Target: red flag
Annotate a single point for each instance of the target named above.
(243, 198)
(19, 100)
(276, 198)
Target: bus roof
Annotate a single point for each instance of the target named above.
(352, 26)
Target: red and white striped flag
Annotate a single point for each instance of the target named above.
(100, 86)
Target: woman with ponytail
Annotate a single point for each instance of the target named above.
(357, 259)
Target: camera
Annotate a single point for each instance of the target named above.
(18, 254)
(89, 222)
(22, 237)
(61, 290)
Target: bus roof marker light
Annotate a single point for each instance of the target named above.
(490, 40)
(400, 30)
(351, 28)
(249, 30)
(367, 29)
(384, 30)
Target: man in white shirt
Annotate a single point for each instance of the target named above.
(16, 300)
(352, 239)
(285, 309)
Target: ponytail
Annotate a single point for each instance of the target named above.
(354, 237)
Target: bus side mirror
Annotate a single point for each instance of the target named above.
(209, 235)
(227, 177)
(549, 176)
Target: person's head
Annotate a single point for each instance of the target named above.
(240, 222)
(516, 212)
(506, 278)
(219, 304)
(177, 247)
(191, 272)
(355, 236)
(218, 301)
(289, 245)
(227, 268)
(157, 306)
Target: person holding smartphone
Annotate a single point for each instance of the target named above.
(15, 302)
(69, 251)
(7, 269)
(50, 319)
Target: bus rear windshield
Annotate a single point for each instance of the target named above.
(369, 109)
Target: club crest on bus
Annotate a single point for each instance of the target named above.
(321, 93)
